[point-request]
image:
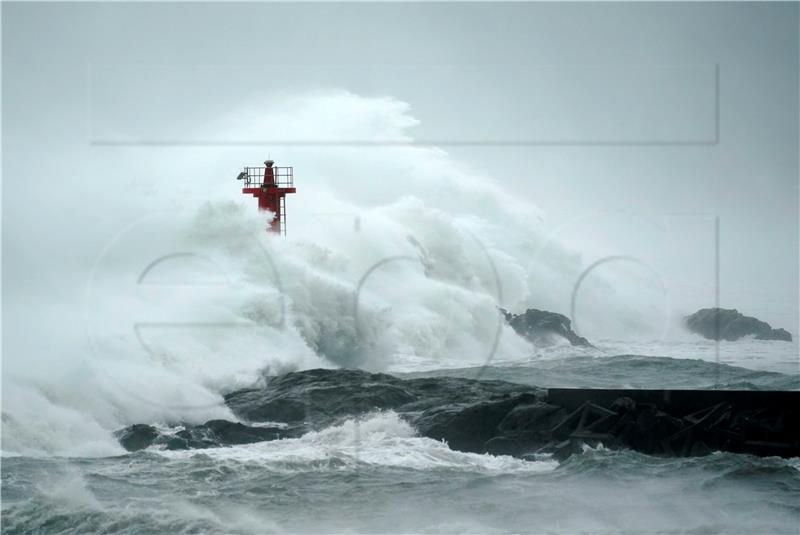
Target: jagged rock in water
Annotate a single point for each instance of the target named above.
(467, 426)
(314, 399)
(136, 437)
(623, 405)
(212, 434)
(216, 433)
(531, 418)
(501, 417)
(730, 325)
(539, 326)
(527, 427)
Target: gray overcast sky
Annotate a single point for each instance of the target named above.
(677, 113)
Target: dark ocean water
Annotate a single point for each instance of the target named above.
(373, 474)
(435, 491)
(627, 371)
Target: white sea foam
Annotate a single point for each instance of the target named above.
(174, 295)
(379, 439)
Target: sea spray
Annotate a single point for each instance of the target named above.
(172, 295)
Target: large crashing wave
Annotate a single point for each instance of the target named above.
(396, 253)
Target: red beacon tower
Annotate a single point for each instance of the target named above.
(270, 185)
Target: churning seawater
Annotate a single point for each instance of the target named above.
(377, 476)
(172, 296)
(374, 474)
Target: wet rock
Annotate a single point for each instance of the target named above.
(562, 450)
(465, 427)
(700, 449)
(500, 417)
(216, 433)
(526, 429)
(212, 434)
(652, 431)
(532, 418)
(227, 433)
(776, 334)
(261, 406)
(731, 325)
(623, 405)
(298, 402)
(539, 326)
(136, 437)
(512, 445)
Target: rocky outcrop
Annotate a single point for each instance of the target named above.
(539, 326)
(467, 426)
(212, 434)
(292, 404)
(500, 417)
(730, 324)
(730, 421)
(137, 437)
(527, 427)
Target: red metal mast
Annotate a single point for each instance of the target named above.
(270, 185)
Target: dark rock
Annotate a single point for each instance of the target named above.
(464, 412)
(313, 399)
(586, 420)
(212, 434)
(623, 405)
(512, 445)
(227, 433)
(465, 427)
(526, 429)
(500, 417)
(776, 334)
(699, 449)
(216, 433)
(730, 324)
(539, 326)
(255, 406)
(652, 431)
(532, 418)
(136, 437)
(564, 449)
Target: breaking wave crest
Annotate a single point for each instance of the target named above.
(375, 440)
(395, 255)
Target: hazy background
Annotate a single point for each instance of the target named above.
(632, 126)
